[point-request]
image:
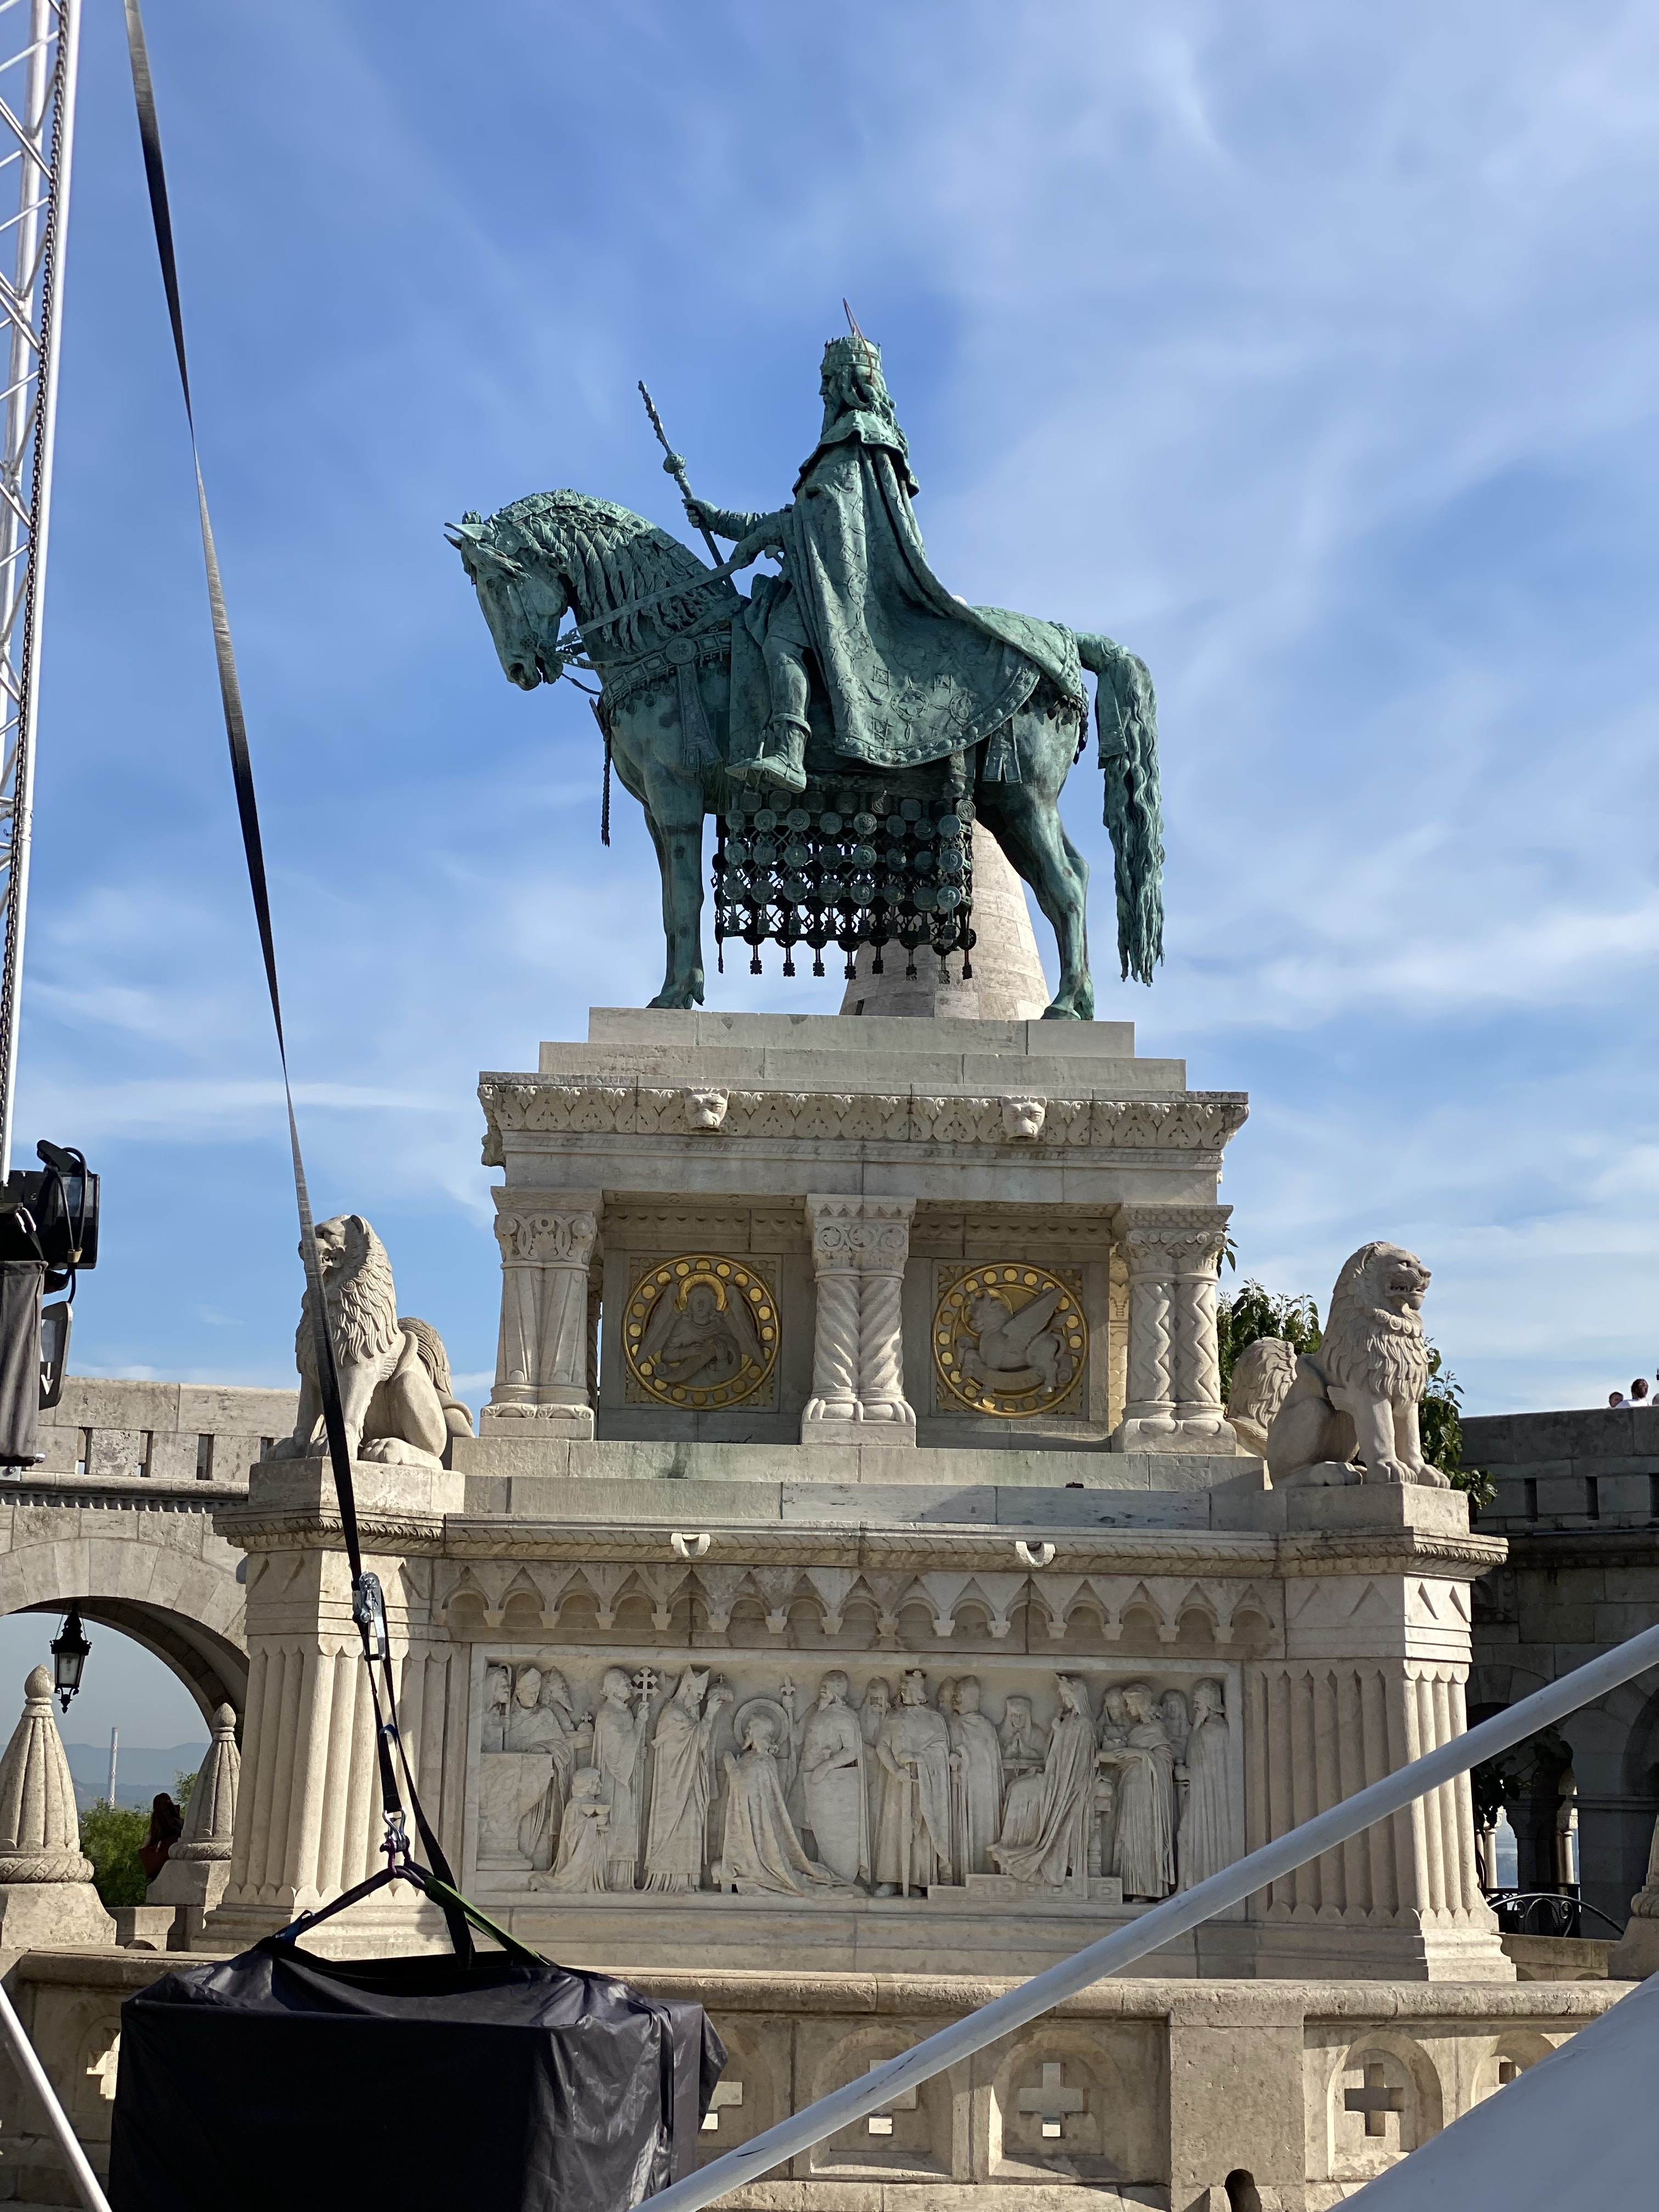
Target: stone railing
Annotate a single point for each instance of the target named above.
(155, 1439)
(1567, 1472)
(1324, 2083)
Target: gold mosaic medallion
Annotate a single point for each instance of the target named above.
(700, 1332)
(1008, 1340)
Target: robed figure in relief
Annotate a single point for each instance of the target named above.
(760, 1852)
(1060, 1846)
(1206, 1843)
(619, 1754)
(581, 1864)
(975, 1781)
(541, 1718)
(831, 1779)
(674, 1841)
(1143, 1850)
(913, 1844)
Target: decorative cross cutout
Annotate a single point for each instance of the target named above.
(881, 2123)
(1374, 2100)
(103, 2071)
(725, 2093)
(1050, 2103)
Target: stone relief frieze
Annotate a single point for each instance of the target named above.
(701, 1331)
(477, 1598)
(1009, 1340)
(1192, 1122)
(618, 1775)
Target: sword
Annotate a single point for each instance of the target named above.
(675, 467)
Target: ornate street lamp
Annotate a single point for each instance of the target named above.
(69, 1648)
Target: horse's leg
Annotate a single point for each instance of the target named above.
(1024, 819)
(674, 809)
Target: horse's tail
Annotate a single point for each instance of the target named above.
(1126, 725)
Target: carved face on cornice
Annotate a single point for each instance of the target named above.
(1023, 1119)
(705, 1110)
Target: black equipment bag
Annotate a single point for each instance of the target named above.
(281, 2082)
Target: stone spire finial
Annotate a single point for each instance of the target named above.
(211, 1815)
(40, 1827)
(1007, 983)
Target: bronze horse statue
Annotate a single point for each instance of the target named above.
(654, 623)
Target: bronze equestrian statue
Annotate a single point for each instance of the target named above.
(846, 723)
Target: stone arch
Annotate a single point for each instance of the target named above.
(752, 2095)
(1380, 2060)
(1615, 1770)
(1511, 2054)
(186, 1608)
(920, 2142)
(1103, 2135)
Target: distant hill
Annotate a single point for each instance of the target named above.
(140, 1771)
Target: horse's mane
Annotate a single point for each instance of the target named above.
(609, 556)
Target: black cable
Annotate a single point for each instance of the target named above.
(368, 1606)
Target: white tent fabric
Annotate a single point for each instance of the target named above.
(1580, 2129)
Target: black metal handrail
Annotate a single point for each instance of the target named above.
(1520, 1910)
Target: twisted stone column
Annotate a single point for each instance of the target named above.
(859, 1246)
(542, 1360)
(1173, 1401)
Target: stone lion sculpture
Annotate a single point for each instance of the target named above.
(395, 1386)
(1263, 1375)
(1351, 1413)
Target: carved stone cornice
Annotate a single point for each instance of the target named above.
(1540, 1551)
(251, 1528)
(1196, 1124)
(1125, 1551)
(1077, 1551)
(1396, 1551)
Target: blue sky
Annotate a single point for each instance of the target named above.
(1311, 352)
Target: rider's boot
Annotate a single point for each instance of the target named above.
(783, 762)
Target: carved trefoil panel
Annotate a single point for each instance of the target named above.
(701, 1331)
(1009, 1338)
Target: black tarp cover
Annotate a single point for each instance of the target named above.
(279, 2081)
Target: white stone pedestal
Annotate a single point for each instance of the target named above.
(37, 1915)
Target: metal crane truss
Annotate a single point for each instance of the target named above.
(38, 48)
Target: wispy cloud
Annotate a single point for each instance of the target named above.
(1300, 347)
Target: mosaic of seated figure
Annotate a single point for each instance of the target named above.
(1072, 1788)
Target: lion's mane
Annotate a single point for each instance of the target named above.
(1263, 1375)
(434, 1358)
(1367, 1344)
(362, 1305)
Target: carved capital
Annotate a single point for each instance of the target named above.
(1171, 1241)
(860, 1236)
(547, 1236)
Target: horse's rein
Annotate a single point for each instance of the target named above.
(720, 575)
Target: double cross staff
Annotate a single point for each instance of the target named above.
(674, 465)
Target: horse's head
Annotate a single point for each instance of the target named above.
(523, 599)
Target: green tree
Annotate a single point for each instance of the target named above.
(1442, 1421)
(183, 1783)
(111, 1836)
(1253, 1312)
